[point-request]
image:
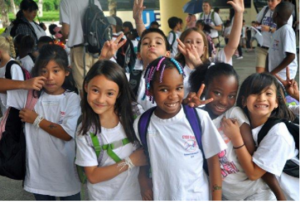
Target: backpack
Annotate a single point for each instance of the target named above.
(264, 14)
(134, 80)
(174, 39)
(126, 56)
(193, 119)
(26, 74)
(212, 16)
(96, 29)
(13, 144)
(290, 168)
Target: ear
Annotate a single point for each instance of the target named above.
(85, 87)
(68, 71)
(138, 55)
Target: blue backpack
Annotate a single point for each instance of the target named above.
(193, 119)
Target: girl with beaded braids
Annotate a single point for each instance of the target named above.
(172, 144)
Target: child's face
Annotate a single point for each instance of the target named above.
(273, 3)
(168, 94)
(206, 7)
(55, 78)
(260, 106)
(102, 95)
(195, 39)
(223, 90)
(153, 45)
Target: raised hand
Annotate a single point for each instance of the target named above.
(238, 5)
(193, 99)
(291, 86)
(111, 47)
(138, 7)
(190, 54)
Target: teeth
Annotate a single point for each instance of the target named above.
(260, 106)
(171, 105)
(220, 108)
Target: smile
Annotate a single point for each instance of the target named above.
(261, 106)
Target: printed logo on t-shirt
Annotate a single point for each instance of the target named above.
(190, 145)
(269, 22)
(227, 167)
(62, 115)
(275, 45)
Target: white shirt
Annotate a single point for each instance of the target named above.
(71, 12)
(141, 98)
(38, 30)
(27, 63)
(208, 20)
(267, 20)
(176, 160)
(274, 150)
(50, 168)
(175, 44)
(16, 74)
(125, 186)
(236, 185)
(219, 58)
(284, 40)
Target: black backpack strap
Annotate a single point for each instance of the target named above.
(265, 12)
(8, 69)
(266, 127)
(134, 81)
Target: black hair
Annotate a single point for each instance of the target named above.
(255, 84)
(151, 30)
(154, 23)
(216, 9)
(42, 25)
(172, 22)
(180, 20)
(112, 71)
(206, 74)
(51, 29)
(227, 23)
(27, 44)
(206, 28)
(27, 5)
(119, 23)
(284, 9)
(128, 24)
(56, 53)
(45, 39)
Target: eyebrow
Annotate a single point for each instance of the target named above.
(154, 38)
(106, 90)
(163, 85)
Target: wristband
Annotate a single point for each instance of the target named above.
(239, 146)
(127, 162)
(37, 121)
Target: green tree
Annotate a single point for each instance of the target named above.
(4, 13)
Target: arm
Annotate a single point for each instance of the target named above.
(273, 183)
(33, 83)
(145, 184)
(247, 138)
(65, 30)
(99, 174)
(217, 27)
(234, 37)
(215, 178)
(291, 86)
(285, 62)
(138, 7)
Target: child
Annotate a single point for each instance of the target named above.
(282, 52)
(25, 50)
(206, 29)
(106, 110)
(50, 128)
(176, 160)
(174, 34)
(261, 98)
(194, 50)
(221, 82)
(6, 50)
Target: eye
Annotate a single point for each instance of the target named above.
(269, 93)
(217, 93)
(188, 41)
(110, 94)
(198, 42)
(179, 88)
(95, 90)
(145, 43)
(232, 96)
(158, 43)
(43, 71)
(56, 70)
(163, 90)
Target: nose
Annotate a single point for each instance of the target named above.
(101, 98)
(261, 97)
(49, 76)
(172, 95)
(223, 101)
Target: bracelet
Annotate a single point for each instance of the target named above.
(239, 146)
(37, 121)
(127, 162)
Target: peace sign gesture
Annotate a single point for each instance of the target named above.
(111, 47)
(193, 99)
(291, 86)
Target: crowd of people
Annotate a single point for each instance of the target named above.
(170, 124)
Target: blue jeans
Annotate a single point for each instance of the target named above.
(39, 197)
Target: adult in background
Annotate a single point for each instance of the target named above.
(268, 27)
(24, 22)
(71, 16)
(213, 19)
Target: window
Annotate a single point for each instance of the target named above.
(127, 5)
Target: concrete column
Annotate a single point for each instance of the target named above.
(169, 8)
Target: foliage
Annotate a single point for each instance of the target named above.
(47, 16)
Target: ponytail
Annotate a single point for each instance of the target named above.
(7, 45)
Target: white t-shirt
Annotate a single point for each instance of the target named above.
(267, 20)
(16, 74)
(274, 150)
(236, 185)
(27, 63)
(176, 160)
(50, 168)
(38, 30)
(71, 12)
(219, 58)
(175, 44)
(125, 186)
(284, 40)
(208, 20)
(141, 98)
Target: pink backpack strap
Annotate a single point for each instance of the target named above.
(3, 122)
(31, 100)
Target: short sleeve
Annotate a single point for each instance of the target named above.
(71, 115)
(135, 127)
(16, 72)
(170, 38)
(238, 114)
(211, 139)
(64, 12)
(217, 19)
(85, 155)
(289, 44)
(221, 58)
(16, 98)
(274, 150)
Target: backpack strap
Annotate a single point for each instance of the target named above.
(194, 120)
(8, 66)
(142, 129)
(174, 39)
(31, 100)
(134, 80)
(265, 129)
(265, 12)
(212, 16)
